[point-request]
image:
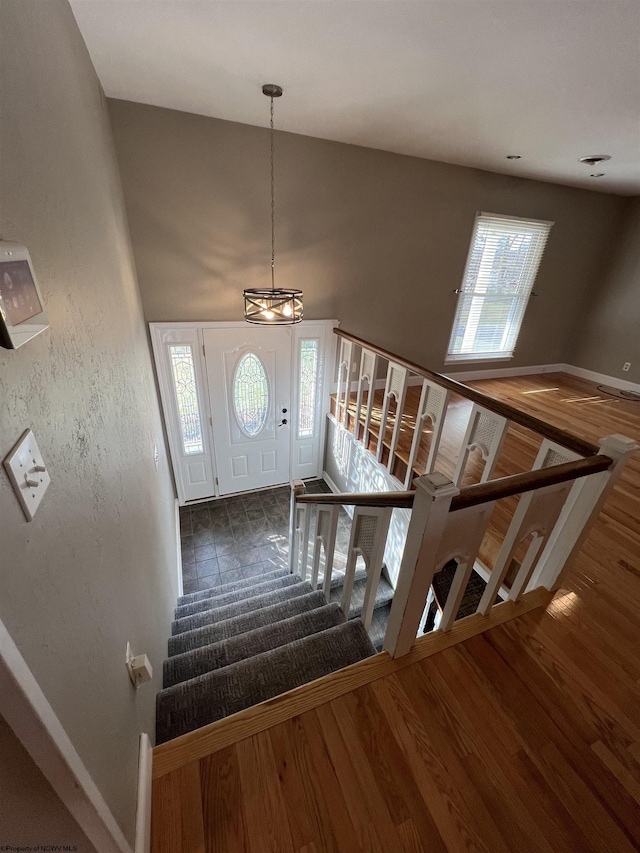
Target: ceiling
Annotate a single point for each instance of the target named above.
(461, 81)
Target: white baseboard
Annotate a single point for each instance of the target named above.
(179, 549)
(572, 370)
(526, 370)
(330, 483)
(143, 810)
(601, 378)
(34, 722)
(502, 372)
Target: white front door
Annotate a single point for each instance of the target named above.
(249, 379)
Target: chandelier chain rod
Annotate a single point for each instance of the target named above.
(273, 206)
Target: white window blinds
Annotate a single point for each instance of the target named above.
(501, 268)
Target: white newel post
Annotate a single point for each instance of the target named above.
(429, 516)
(582, 508)
(297, 488)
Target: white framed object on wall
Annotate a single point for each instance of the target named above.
(22, 312)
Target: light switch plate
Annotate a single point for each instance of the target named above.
(28, 473)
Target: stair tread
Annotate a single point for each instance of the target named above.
(241, 646)
(235, 625)
(384, 595)
(188, 623)
(258, 587)
(228, 587)
(378, 626)
(202, 700)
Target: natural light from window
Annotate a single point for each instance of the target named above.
(503, 262)
(308, 388)
(184, 383)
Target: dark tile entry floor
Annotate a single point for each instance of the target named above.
(239, 537)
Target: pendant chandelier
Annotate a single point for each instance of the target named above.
(277, 306)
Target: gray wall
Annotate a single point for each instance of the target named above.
(610, 334)
(31, 813)
(97, 565)
(377, 240)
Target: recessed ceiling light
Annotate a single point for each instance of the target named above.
(597, 174)
(514, 156)
(594, 159)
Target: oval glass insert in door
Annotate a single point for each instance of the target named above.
(250, 395)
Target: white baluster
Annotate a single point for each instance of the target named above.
(434, 493)
(371, 397)
(305, 526)
(581, 509)
(344, 381)
(461, 540)
(368, 537)
(528, 565)
(372, 549)
(433, 407)
(325, 541)
(397, 427)
(395, 388)
(330, 550)
(317, 548)
(485, 430)
(535, 515)
(551, 453)
(368, 367)
(297, 488)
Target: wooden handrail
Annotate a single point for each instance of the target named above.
(504, 487)
(566, 439)
(494, 490)
(403, 500)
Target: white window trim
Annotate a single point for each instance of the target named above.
(480, 357)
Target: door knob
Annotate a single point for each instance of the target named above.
(284, 411)
(282, 422)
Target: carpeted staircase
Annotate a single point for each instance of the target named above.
(238, 644)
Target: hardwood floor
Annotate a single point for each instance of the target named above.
(525, 738)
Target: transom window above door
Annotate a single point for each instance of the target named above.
(502, 265)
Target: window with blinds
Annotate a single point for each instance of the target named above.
(503, 262)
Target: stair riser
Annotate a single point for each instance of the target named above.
(203, 700)
(247, 622)
(182, 668)
(229, 587)
(257, 588)
(190, 623)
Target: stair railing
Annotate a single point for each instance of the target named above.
(556, 510)
(487, 426)
(560, 498)
(368, 538)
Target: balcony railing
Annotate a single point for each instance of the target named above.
(520, 549)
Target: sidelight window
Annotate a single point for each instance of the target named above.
(184, 383)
